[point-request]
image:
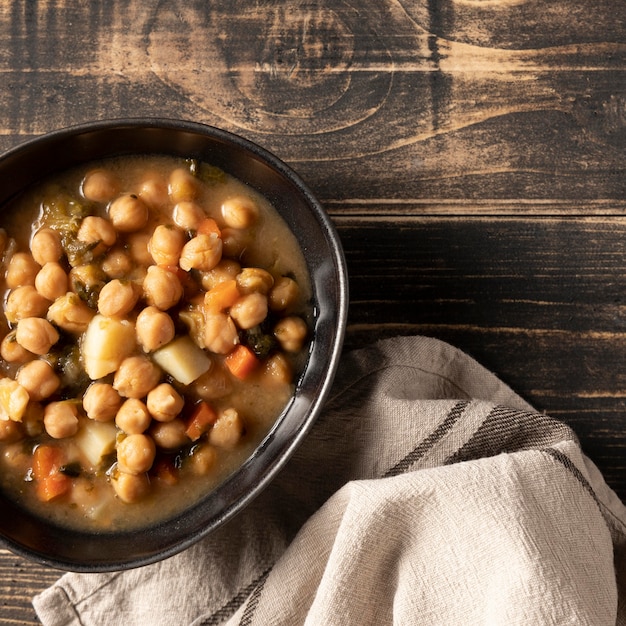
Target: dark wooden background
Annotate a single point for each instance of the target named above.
(471, 154)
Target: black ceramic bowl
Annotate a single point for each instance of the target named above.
(46, 543)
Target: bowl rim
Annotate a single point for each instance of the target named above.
(336, 317)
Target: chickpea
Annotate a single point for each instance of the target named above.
(291, 333)
(117, 298)
(128, 213)
(193, 318)
(97, 231)
(166, 244)
(252, 279)
(88, 275)
(51, 281)
(70, 313)
(12, 352)
(284, 294)
(225, 270)
(22, 270)
(277, 369)
(220, 333)
(36, 335)
(137, 244)
(202, 252)
(23, 302)
(169, 435)
(203, 459)
(101, 402)
(100, 185)
(45, 246)
(154, 328)
(138, 275)
(240, 212)
(117, 263)
(162, 288)
(130, 488)
(188, 215)
(215, 383)
(153, 191)
(10, 431)
(164, 403)
(39, 379)
(250, 310)
(136, 376)
(227, 430)
(183, 186)
(135, 454)
(60, 419)
(87, 281)
(32, 420)
(133, 417)
(235, 242)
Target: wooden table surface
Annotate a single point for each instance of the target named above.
(471, 154)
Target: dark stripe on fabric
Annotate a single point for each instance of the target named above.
(615, 525)
(226, 611)
(253, 602)
(510, 430)
(564, 460)
(424, 446)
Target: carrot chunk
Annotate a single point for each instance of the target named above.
(241, 362)
(47, 460)
(53, 486)
(51, 482)
(165, 471)
(222, 296)
(202, 418)
(208, 226)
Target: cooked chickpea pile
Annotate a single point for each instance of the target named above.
(130, 320)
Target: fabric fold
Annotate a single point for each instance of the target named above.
(427, 492)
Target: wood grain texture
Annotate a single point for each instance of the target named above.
(512, 293)
(470, 152)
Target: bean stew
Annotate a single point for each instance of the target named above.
(156, 317)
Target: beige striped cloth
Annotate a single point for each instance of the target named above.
(426, 493)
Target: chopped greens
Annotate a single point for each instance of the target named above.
(208, 174)
(260, 342)
(71, 469)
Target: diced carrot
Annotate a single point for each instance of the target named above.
(53, 486)
(241, 362)
(202, 418)
(51, 482)
(208, 226)
(47, 460)
(222, 296)
(165, 471)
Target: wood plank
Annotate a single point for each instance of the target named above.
(20, 580)
(541, 302)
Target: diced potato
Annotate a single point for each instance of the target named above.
(13, 400)
(183, 359)
(95, 504)
(106, 343)
(95, 440)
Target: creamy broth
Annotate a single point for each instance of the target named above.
(156, 317)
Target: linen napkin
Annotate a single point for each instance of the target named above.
(426, 493)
